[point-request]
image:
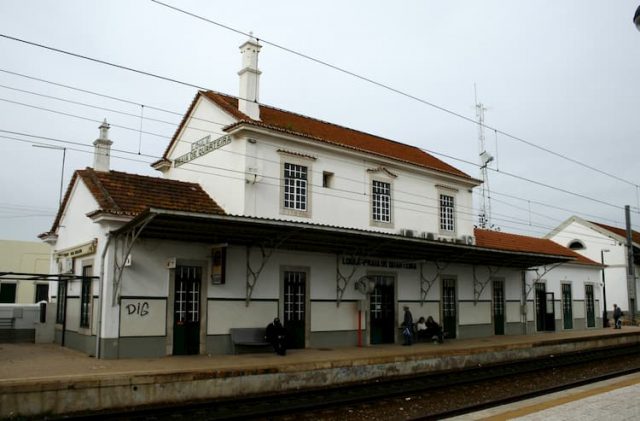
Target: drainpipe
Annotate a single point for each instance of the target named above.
(524, 302)
(100, 293)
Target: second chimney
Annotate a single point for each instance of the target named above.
(102, 149)
(249, 79)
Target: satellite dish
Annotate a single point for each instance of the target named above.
(485, 157)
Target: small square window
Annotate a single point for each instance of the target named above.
(327, 179)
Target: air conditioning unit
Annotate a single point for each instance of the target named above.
(65, 265)
(447, 239)
(468, 240)
(407, 232)
(428, 235)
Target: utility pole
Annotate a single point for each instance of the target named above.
(631, 272)
(485, 158)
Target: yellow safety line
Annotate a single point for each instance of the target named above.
(526, 410)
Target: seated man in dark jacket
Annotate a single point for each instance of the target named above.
(276, 336)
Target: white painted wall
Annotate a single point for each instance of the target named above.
(221, 172)
(245, 178)
(143, 317)
(615, 259)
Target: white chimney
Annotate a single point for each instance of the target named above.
(102, 149)
(249, 79)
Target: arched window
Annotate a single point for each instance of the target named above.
(577, 245)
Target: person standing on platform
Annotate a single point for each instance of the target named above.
(407, 325)
(617, 314)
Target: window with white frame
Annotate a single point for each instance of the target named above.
(295, 187)
(381, 201)
(85, 297)
(447, 213)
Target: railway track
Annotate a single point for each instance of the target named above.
(308, 403)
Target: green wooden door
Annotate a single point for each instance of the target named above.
(567, 306)
(591, 308)
(295, 299)
(541, 306)
(550, 313)
(382, 310)
(186, 310)
(449, 313)
(498, 308)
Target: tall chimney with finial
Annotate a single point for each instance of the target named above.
(250, 78)
(102, 149)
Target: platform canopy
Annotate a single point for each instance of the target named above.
(291, 235)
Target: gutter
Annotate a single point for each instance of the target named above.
(100, 293)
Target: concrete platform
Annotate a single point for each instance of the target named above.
(614, 399)
(49, 379)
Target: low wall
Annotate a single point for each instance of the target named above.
(18, 322)
(119, 391)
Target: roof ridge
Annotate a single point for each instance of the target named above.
(321, 121)
(609, 227)
(103, 190)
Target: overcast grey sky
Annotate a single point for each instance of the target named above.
(562, 75)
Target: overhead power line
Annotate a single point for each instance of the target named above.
(397, 91)
(315, 60)
(355, 75)
(217, 123)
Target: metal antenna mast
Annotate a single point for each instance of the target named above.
(485, 158)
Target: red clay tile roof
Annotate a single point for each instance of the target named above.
(635, 235)
(522, 243)
(288, 122)
(121, 193)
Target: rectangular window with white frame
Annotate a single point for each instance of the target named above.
(447, 214)
(295, 187)
(296, 184)
(381, 201)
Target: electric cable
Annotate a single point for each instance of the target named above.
(395, 90)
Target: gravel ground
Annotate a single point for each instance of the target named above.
(424, 405)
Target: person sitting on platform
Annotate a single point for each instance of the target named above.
(421, 328)
(276, 336)
(434, 330)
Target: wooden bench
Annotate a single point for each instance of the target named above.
(249, 337)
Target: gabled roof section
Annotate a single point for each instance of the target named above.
(522, 243)
(120, 193)
(296, 124)
(620, 234)
(635, 235)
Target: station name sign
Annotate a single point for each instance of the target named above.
(378, 263)
(77, 251)
(202, 147)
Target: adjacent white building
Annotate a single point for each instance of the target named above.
(262, 212)
(608, 245)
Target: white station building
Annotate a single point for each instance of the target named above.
(262, 212)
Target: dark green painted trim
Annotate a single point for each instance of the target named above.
(241, 299)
